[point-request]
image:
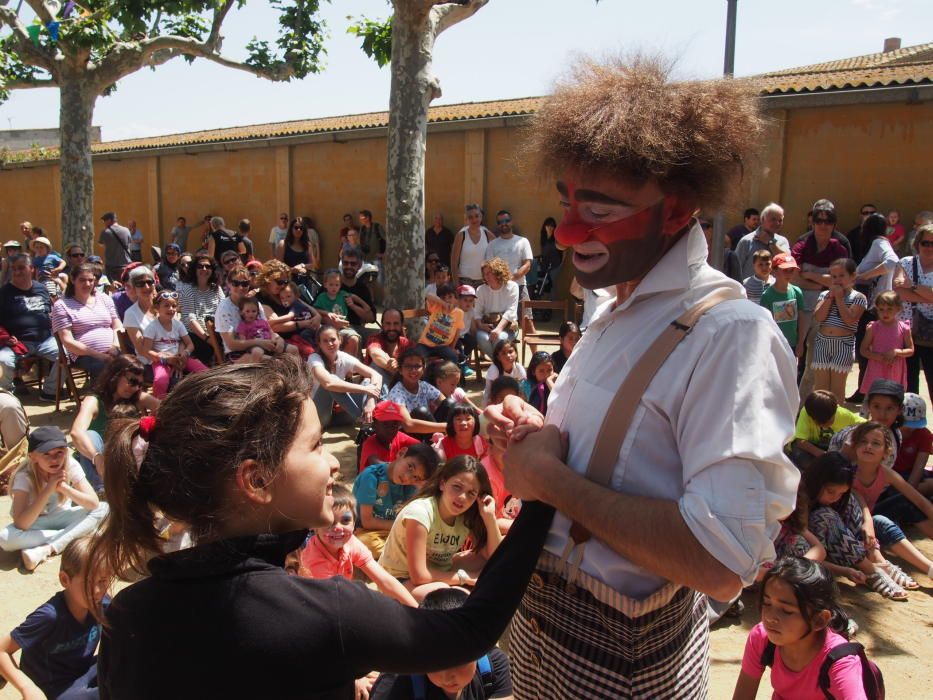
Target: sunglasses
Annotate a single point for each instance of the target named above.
(239, 283)
(205, 267)
(926, 244)
(823, 221)
(75, 255)
(867, 213)
(144, 283)
(167, 295)
(281, 283)
(506, 220)
(229, 261)
(134, 382)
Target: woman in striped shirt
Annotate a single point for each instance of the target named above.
(838, 311)
(87, 322)
(199, 296)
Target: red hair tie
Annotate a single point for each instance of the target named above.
(147, 424)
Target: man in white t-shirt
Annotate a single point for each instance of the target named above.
(516, 251)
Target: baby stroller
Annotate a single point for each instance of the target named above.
(540, 285)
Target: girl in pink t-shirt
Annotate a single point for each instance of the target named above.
(801, 622)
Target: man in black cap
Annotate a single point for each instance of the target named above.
(116, 241)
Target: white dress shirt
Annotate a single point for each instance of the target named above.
(708, 433)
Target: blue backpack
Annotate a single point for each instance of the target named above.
(419, 688)
(872, 680)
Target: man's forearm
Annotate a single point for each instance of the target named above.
(631, 525)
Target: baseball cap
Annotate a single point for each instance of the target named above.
(887, 387)
(173, 246)
(254, 265)
(46, 438)
(44, 241)
(465, 290)
(96, 259)
(12, 244)
(914, 411)
(785, 261)
(387, 411)
(108, 216)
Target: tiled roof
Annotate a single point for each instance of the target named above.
(444, 113)
(912, 65)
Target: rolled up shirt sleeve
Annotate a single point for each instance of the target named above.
(738, 483)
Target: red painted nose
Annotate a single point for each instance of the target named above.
(571, 233)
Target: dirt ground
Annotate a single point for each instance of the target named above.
(898, 636)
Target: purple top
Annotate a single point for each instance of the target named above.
(90, 324)
(806, 252)
(122, 302)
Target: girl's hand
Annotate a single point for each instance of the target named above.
(871, 542)
(487, 508)
(889, 356)
(493, 337)
(855, 576)
(372, 390)
(54, 483)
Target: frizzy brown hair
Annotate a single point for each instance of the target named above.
(209, 424)
(626, 118)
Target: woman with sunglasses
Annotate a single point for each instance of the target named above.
(228, 318)
(274, 278)
(119, 387)
(296, 250)
(913, 280)
(143, 312)
(200, 296)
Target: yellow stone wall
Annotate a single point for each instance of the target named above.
(850, 154)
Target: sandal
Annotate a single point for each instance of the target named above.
(900, 577)
(881, 583)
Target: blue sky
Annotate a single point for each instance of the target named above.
(510, 48)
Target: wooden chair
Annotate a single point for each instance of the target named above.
(214, 342)
(533, 341)
(70, 373)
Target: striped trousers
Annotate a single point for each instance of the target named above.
(585, 640)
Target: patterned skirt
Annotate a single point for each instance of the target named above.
(834, 354)
(585, 640)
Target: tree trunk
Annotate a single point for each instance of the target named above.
(77, 170)
(413, 88)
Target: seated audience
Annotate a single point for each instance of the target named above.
(330, 368)
(569, 333)
(167, 345)
(504, 363)
(411, 391)
(383, 348)
(443, 326)
(200, 296)
(820, 418)
(496, 308)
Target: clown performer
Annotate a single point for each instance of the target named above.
(662, 455)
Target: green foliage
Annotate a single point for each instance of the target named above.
(377, 38)
(301, 40)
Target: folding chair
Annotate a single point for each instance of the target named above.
(70, 373)
(532, 341)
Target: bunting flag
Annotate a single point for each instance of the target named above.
(33, 31)
(53, 30)
(69, 6)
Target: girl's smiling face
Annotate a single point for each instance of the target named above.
(872, 449)
(464, 423)
(339, 533)
(167, 309)
(448, 385)
(459, 493)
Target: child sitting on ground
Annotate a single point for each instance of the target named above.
(382, 489)
(168, 346)
(446, 377)
(795, 538)
(424, 547)
(411, 391)
(502, 387)
(335, 551)
(387, 438)
(820, 418)
(462, 435)
(762, 279)
(489, 677)
(802, 637)
(53, 503)
(569, 334)
(504, 364)
(887, 343)
(916, 445)
(252, 327)
(59, 639)
(541, 376)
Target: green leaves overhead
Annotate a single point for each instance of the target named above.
(377, 38)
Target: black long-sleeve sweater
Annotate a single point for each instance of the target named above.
(224, 620)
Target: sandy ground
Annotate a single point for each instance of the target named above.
(897, 635)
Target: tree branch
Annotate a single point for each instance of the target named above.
(25, 49)
(220, 14)
(30, 84)
(42, 10)
(447, 14)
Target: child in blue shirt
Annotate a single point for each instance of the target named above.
(47, 264)
(59, 639)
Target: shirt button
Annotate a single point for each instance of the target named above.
(571, 589)
(536, 580)
(535, 660)
(535, 627)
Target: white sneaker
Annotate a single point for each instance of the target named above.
(34, 556)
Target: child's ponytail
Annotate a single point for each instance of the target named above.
(128, 537)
